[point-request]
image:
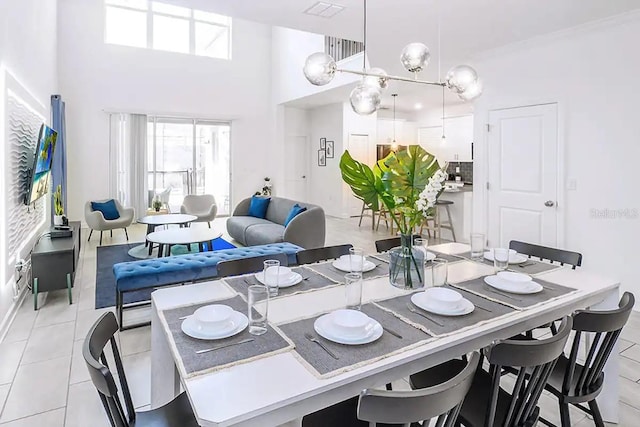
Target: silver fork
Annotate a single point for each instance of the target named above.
(315, 340)
(224, 346)
(419, 313)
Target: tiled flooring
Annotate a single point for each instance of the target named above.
(44, 381)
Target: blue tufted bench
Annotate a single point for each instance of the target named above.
(157, 272)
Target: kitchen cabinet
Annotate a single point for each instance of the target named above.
(456, 147)
(405, 131)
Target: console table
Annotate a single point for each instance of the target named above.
(54, 262)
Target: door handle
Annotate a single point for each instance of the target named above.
(549, 203)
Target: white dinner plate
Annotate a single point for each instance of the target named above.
(422, 301)
(346, 266)
(513, 287)
(325, 328)
(294, 279)
(238, 324)
(514, 257)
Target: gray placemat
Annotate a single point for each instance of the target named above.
(530, 267)
(485, 310)
(310, 281)
(518, 301)
(329, 271)
(193, 364)
(352, 356)
(450, 258)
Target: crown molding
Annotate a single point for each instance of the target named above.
(567, 33)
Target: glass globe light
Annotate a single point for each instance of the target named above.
(473, 91)
(319, 68)
(460, 78)
(378, 81)
(415, 57)
(365, 99)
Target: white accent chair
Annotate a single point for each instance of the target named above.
(96, 221)
(202, 206)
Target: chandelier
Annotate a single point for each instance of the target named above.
(320, 69)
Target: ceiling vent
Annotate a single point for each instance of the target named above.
(324, 10)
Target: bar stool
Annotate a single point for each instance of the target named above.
(385, 215)
(365, 208)
(438, 223)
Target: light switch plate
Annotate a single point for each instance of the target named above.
(572, 185)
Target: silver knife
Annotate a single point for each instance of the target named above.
(392, 332)
(224, 346)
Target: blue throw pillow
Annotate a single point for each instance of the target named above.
(258, 206)
(295, 210)
(108, 209)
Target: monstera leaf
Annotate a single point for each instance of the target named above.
(408, 172)
(365, 184)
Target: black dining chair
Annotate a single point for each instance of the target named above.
(385, 244)
(236, 267)
(575, 383)
(177, 413)
(487, 403)
(309, 256)
(401, 408)
(545, 253)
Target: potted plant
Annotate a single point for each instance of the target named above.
(58, 207)
(408, 183)
(156, 204)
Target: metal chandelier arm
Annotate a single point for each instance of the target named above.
(397, 78)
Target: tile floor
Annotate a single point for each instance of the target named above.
(44, 382)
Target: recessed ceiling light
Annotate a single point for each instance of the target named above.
(418, 106)
(324, 9)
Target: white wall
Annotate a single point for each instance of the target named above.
(593, 76)
(290, 51)
(28, 67)
(95, 77)
(325, 183)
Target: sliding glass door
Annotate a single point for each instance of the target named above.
(188, 156)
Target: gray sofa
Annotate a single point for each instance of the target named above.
(307, 229)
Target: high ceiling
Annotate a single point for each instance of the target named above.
(466, 26)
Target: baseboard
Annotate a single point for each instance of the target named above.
(11, 314)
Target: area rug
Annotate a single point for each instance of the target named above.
(106, 281)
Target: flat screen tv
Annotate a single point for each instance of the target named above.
(38, 184)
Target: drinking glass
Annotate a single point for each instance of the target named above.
(439, 272)
(477, 245)
(271, 274)
(356, 260)
(258, 302)
(353, 290)
(421, 244)
(500, 258)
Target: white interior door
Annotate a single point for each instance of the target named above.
(296, 158)
(523, 175)
(360, 150)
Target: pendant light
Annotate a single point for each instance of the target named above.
(320, 69)
(394, 144)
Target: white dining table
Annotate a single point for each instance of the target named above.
(278, 390)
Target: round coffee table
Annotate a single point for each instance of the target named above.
(182, 236)
(153, 221)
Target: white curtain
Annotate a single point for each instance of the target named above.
(128, 160)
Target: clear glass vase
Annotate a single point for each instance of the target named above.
(406, 265)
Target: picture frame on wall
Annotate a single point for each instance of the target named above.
(323, 143)
(322, 158)
(329, 150)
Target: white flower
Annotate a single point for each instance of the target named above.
(427, 198)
